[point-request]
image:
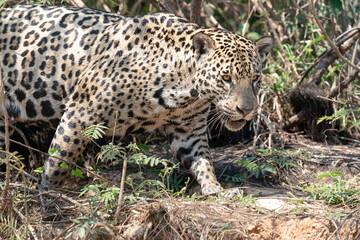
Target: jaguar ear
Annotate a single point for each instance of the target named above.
(203, 46)
(263, 46)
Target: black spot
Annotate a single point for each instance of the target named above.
(39, 94)
(180, 130)
(72, 125)
(30, 109)
(46, 109)
(51, 162)
(63, 153)
(157, 81)
(66, 139)
(60, 131)
(137, 31)
(20, 95)
(194, 93)
(70, 114)
(56, 97)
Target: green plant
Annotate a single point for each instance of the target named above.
(346, 114)
(334, 193)
(85, 228)
(10, 229)
(254, 167)
(103, 193)
(140, 184)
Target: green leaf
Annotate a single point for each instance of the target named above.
(253, 35)
(95, 131)
(64, 165)
(77, 172)
(54, 151)
(39, 170)
(81, 232)
(144, 147)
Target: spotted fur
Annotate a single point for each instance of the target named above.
(74, 67)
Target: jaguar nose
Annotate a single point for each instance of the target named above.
(244, 112)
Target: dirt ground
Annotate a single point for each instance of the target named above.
(275, 215)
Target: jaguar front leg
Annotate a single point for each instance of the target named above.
(69, 144)
(190, 146)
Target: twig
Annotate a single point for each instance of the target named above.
(277, 39)
(342, 223)
(81, 206)
(23, 218)
(7, 145)
(212, 19)
(294, 120)
(345, 41)
(160, 7)
(195, 11)
(331, 43)
(344, 84)
(122, 183)
(77, 3)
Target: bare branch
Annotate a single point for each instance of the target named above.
(160, 7)
(4, 193)
(331, 43)
(344, 42)
(77, 3)
(344, 84)
(276, 36)
(195, 11)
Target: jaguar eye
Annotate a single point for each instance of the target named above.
(226, 78)
(255, 80)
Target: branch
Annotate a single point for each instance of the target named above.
(3, 202)
(77, 3)
(294, 120)
(195, 11)
(344, 84)
(160, 7)
(331, 43)
(344, 42)
(277, 39)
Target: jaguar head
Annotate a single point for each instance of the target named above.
(229, 74)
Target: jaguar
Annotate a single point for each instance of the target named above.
(76, 67)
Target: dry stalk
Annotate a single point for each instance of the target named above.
(277, 39)
(211, 17)
(77, 3)
(122, 183)
(160, 6)
(342, 223)
(7, 146)
(344, 84)
(25, 220)
(81, 206)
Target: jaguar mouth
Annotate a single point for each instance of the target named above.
(235, 125)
